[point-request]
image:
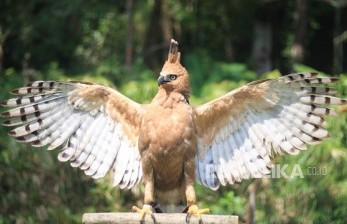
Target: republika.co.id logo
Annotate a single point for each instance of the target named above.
(295, 171)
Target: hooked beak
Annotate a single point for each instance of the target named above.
(163, 79)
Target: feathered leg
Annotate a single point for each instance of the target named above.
(147, 208)
(192, 208)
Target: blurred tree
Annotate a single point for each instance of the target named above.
(338, 45)
(300, 19)
(129, 34)
(285, 36)
(159, 32)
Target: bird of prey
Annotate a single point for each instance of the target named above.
(169, 144)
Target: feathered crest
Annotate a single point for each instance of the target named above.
(174, 55)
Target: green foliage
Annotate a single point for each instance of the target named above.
(205, 74)
(222, 202)
(233, 71)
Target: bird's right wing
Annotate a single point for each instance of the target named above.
(96, 127)
(239, 132)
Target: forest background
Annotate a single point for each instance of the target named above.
(123, 44)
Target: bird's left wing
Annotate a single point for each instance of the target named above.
(96, 127)
(238, 131)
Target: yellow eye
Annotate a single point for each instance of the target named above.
(173, 77)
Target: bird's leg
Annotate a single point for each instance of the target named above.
(147, 208)
(192, 208)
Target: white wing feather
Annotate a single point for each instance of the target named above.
(66, 115)
(280, 115)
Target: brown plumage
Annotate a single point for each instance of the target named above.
(167, 140)
(168, 143)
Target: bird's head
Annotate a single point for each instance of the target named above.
(173, 76)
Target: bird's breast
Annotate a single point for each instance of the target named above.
(167, 136)
(166, 128)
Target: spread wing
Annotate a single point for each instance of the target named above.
(238, 132)
(96, 127)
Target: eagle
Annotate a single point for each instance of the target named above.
(168, 144)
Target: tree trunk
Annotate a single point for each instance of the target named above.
(262, 47)
(250, 216)
(1, 58)
(300, 20)
(129, 34)
(3, 36)
(338, 45)
(285, 37)
(158, 36)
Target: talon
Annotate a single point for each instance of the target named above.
(194, 210)
(188, 218)
(153, 218)
(146, 210)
